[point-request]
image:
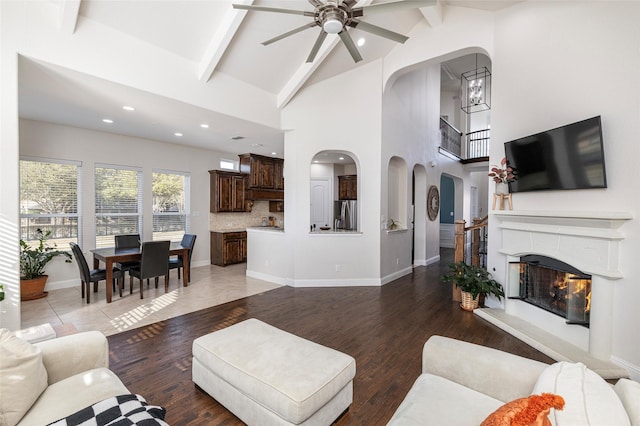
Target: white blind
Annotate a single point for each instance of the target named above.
(118, 195)
(170, 205)
(50, 199)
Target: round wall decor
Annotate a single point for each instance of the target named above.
(433, 202)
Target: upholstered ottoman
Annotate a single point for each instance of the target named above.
(267, 376)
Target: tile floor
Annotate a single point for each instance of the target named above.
(210, 285)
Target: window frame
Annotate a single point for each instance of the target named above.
(77, 215)
(187, 202)
(140, 204)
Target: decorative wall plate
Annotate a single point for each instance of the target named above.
(433, 202)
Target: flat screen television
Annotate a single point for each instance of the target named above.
(567, 157)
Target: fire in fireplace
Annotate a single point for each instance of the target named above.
(555, 287)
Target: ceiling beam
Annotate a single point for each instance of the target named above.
(306, 70)
(433, 14)
(69, 11)
(221, 40)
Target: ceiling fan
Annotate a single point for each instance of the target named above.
(335, 16)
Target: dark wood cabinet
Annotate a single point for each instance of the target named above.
(348, 187)
(228, 248)
(227, 191)
(276, 206)
(278, 172)
(263, 172)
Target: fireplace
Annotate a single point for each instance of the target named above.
(555, 286)
(586, 245)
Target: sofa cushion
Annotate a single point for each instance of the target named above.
(589, 400)
(629, 393)
(72, 394)
(22, 377)
(434, 400)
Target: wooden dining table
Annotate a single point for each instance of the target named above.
(111, 255)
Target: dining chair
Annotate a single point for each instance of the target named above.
(127, 241)
(153, 264)
(88, 276)
(188, 240)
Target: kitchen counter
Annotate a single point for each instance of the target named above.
(266, 228)
(225, 230)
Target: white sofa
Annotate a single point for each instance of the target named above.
(46, 381)
(463, 383)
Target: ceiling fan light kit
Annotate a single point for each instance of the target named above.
(336, 16)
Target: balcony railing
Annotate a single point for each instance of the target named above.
(476, 144)
(450, 138)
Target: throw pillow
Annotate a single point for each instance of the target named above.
(121, 410)
(589, 399)
(22, 377)
(530, 411)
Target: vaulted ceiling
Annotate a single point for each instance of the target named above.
(218, 39)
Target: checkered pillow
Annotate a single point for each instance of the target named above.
(122, 410)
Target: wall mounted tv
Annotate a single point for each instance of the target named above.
(568, 157)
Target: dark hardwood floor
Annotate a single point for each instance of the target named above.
(383, 328)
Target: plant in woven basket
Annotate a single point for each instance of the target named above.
(473, 279)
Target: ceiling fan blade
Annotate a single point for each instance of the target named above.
(316, 46)
(288, 33)
(272, 9)
(350, 45)
(391, 6)
(316, 3)
(382, 32)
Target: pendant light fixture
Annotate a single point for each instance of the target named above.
(475, 89)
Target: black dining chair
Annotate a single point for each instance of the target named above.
(88, 276)
(153, 264)
(188, 240)
(127, 241)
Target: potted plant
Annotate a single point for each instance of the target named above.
(32, 263)
(502, 175)
(473, 281)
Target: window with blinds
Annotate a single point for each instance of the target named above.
(118, 202)
(50, 200)
(170, 205)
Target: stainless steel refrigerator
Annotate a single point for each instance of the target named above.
(345, 214)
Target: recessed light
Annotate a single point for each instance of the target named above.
(340, 158)
(128, 108)
(274, 153)
(107, 120)
(361, 41)
(178, 134)
(204, 126)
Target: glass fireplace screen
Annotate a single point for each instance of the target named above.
(555, 287)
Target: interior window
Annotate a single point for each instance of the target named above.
(333, 192)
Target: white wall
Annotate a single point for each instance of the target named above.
(557, 63)
(39, 139)
(351, 125)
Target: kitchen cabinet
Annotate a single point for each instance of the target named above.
(228, 248)
(348, 187)
(276, 206)
(265, 176)
(227, 191)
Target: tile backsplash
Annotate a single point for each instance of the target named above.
(219, 221)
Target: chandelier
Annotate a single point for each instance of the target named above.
(475, 89)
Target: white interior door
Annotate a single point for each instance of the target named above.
(321, 206)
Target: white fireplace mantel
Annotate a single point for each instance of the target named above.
(587, 240)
